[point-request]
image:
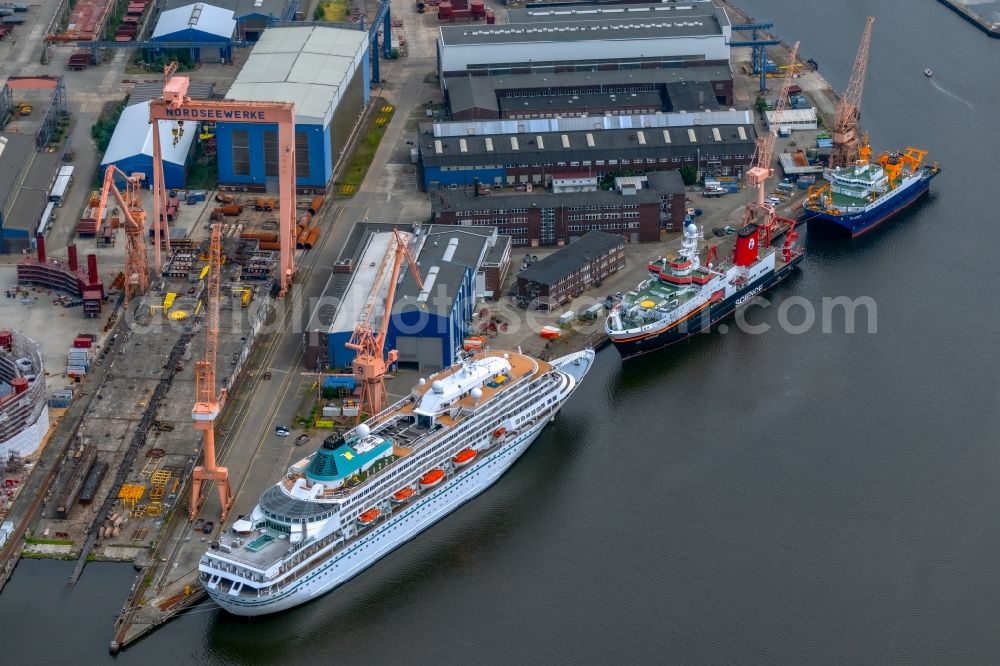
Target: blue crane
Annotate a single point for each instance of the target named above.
(757, 43)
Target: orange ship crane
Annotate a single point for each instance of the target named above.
(176, 106)
(207, 405)
(371, 361)
(130, 204)
(760, 211)
(845, 133)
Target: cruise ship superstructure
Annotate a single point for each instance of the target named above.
(364, 493)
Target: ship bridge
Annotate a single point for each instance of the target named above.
(447, 391)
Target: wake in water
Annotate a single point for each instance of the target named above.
(955, 97)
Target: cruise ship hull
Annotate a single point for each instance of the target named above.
(386, 536)
(403, 524)
(862, 222)
(631, 345)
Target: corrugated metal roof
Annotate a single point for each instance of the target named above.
(526, 126)
(307, 66)
(241, 8)
(524, 149)
(545, 24)
(199, 16)
(134, 136)
(793, 116)
(147, 90)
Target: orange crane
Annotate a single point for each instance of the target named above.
(845, 125)
(206, 404)
(371, 361)
(176, 106)
(760, 211)
(130, 203)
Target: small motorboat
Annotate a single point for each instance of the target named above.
(928, 73)
(369, 517)
(402, 495)
(464, 457)
(432, 478)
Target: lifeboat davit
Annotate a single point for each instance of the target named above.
(432, 478)
(402, 495)
(464, 457)
(369, 517)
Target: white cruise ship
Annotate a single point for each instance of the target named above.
(361, 495)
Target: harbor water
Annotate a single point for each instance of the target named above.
(808, 497)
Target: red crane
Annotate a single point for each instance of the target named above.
(206, 404)
(130, 204)
(760, 211)
(845, 125)
(371, 361)
(176, 106)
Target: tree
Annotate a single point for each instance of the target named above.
(761, 104)
(689, 174)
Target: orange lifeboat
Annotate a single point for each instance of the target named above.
(432, 478)
(464, 457)
(499, 432)
(402, 495)
(369, 517)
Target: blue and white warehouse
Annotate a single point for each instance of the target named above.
(202, 23)
(325, 73)
(131, 146)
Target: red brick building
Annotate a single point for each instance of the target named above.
(570, 271)
(540, 218)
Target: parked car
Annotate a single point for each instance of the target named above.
(209, 526)
(199, 524)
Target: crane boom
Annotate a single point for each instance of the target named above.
(758, 174)
(845, 125)
(401, 253)
(370, 360)
(136, 262)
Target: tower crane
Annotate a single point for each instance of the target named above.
(845, 124)
(130, 203)
(760, 211)
(207, 404)
(371, 360)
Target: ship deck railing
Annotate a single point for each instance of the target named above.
(400, 434)
(309, 548)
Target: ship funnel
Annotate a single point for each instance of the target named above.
(747, 245)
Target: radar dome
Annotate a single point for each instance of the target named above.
(421, 381)
(362, 431)
(691, 229)
(437, 386)
(477, 393)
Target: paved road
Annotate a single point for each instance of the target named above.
(254, 455)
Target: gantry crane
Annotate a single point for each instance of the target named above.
(207, 404)
(845, 125)
(176, 106)
(130, 203)
(759, 211)
(371, 360)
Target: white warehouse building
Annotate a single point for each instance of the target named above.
(590, 38)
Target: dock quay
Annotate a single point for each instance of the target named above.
(963, 9)
(132, 413)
